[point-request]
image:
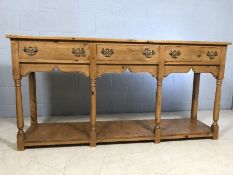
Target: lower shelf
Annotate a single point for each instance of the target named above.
(114, 131)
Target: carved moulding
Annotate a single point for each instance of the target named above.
(196, 69)
(103, 69)
(27, 68)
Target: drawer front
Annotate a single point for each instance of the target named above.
(192, 54)
(127, 52)
(53, 50)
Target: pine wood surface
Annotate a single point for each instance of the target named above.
(57, 38)
(54, 50)
(113, 131)
(94, 57)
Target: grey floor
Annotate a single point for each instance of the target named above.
(191, 157)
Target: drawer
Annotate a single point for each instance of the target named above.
(53, 50)
(127, 52)
(192, 54)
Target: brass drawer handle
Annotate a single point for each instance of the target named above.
(79, 52)
(175, 53)
(148, 53)
(31, 51)
(212, 54)
(107, 52)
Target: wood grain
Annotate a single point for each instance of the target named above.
(128, 52)
(57, 133)
(114, 131)
(111, 40)
(184, 128)
(94, 57)
(194, 107)
(20, 118)
(215, 127)
(54, 50)
(93, 96)
(214, 70)
(192, 53)
(27, 68)
(103, 69)
(32, 98)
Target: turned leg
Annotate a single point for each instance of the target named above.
(93, 114)
(158, 110)
(196, 83)
(19, 113)
(215, 128)
(32, 96)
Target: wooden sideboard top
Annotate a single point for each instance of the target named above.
(19, 37)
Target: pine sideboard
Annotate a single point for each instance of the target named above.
(94, 57)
